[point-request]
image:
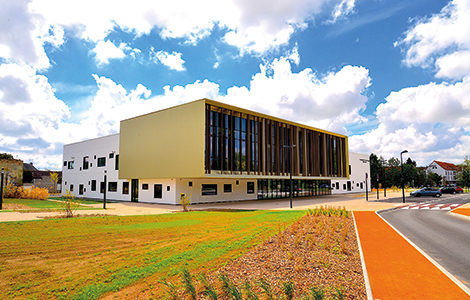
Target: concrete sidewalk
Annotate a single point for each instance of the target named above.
(354, 202)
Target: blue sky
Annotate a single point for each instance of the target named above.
(392, 75)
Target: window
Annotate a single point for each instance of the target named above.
(227, 188)
(112, 186)
(250, 187)
(101, 161)
(190, 183)
(145, 186)
(167, 188)
(111, 155)
(237, 182)
(116, 162)
(93, 185)
(337, 185)
(209, 189)
(80, 189)
(71, 187)
(65, 163)
(362, 186)
(85, 163)
(70, 165)
(349, 169)
(344, 186)
(102, 187)
(125, 188)
(157, 191)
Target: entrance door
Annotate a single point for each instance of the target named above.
(135, 190)
(349, 185)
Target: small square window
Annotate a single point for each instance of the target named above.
(65, 163)
(167, 188)
(101, 161)
(145, 186)
(227, 188)
(190, 183)
(111, 155)
(112, 186)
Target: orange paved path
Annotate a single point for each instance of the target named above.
(396, 269)
(462, 211)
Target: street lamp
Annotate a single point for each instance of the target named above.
(290, 175)
(1, 190)
(402, 179)
(104, 190)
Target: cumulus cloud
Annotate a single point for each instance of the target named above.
(329, 101)
(431, 121)
(441, 41)
(172, 60)
(106, 50)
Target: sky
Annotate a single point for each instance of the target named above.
(390, 74)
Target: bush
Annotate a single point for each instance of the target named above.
(18, 192)
(69, 204)
(185, 201)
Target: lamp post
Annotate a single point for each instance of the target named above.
(367, 192)
(104, 190)
(402, 179)
(1, 190)
(377, 186)
(290, 173)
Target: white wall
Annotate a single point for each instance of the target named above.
(448, 175)
(360, 165)
(168, 191)
(239, 191)
(94, 148)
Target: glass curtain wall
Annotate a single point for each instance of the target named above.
(280, 188)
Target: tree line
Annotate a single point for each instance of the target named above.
(387, 173)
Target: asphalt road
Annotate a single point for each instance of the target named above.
(444, 237)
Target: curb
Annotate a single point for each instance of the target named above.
(435, 263)
(363, 263)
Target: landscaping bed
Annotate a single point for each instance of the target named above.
(316, 252)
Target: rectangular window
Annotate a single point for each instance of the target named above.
(93, 185)
(167, 188)
(80, 189)
(250, 187)
(337, 185)
(85, 163)
(209, 189)
(157, 191)
(101, 161)
(111, 155)
(344, 186)
(65, 163)
(145, 186)
(190, 183)
(112, 186)
(125, 188)
(349, 169)
(227, 188)
(71, 187)
(116, 162)
(362, 186)
(70, 165)
(102, 187)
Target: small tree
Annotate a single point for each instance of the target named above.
(54, 178)
(185, 201)
(436, 179)
(70, 204)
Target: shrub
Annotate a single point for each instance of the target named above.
(70, 204)
(18, 192)
(185, 201)
(288, 288)
(188, 284)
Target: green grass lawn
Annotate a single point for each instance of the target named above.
(84, 258)
(40, 205)
(84, 200)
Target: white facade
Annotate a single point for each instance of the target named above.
(359, 166)
(445, 170)
(83, 175)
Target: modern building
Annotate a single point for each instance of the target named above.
(209, 150)
(359, 176)
(446, 170)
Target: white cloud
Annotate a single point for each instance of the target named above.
(440, 41)
(106, 50)
(171, 60)
(344, 8)
(431, 121)
(329, 101)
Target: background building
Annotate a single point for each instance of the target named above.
(446, 170)
(209, 150)
(359, 166)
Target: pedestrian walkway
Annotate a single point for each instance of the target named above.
(430, 206)
(396, 269)
(463, 210)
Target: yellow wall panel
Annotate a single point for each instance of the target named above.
(164, 144)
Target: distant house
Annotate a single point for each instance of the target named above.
(42, 179)
(444, 169)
